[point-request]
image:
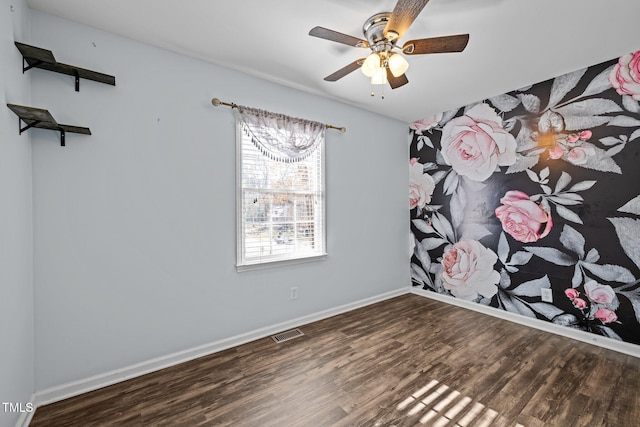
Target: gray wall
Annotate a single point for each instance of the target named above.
(135, 225)
(16, 236)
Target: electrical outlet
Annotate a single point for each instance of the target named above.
(546, 295)
(294, 293)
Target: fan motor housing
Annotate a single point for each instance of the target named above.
(373, 30)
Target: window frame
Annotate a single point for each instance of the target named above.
(244, 264)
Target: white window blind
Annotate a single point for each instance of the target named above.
(280, 200)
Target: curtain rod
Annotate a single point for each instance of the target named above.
(216, 103)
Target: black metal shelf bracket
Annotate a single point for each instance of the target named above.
(76, 74)
(35, 57)
(35, 124)
(28, 125)
(26, 66)
(42, 119)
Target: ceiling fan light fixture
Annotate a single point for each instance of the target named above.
(380, 77)
(397, 64)
(371, 65)
(382, 31)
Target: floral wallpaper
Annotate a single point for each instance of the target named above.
(536, 193)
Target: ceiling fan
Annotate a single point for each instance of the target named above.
(382, 31)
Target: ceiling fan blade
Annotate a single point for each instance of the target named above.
(403, 15)
(444, 44)
(345, 70)
(396, 82)
(334, 36)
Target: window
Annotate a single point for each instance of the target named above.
(280, 194)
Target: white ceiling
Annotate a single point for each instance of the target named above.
(513, 43)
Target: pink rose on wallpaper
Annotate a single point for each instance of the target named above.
(625, 76)
(475, 144)
(600, 294)
(426, 123)
(579, 303)
(468, 270)
(576, 137)
(421, 185)
(605, 315)
(523, 219)
(571, 293)
(573, 148)
(556, 152)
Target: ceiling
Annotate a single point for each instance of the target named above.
(513, 43)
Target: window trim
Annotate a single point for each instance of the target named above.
(240, 267)
(280, 262)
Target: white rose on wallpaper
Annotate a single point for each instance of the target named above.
(580, 155)
(476, 143)
(468, 270)
(600, 294)
(625, 76)
(426, 123)
(421, 185)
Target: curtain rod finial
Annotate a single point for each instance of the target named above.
(341, 129)
(216, 103)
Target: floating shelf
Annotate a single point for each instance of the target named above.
(42, 119)
(35, 57)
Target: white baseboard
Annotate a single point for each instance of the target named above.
(25, 417)
(64, 391)
(600, 341)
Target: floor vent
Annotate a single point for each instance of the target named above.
(288, 335)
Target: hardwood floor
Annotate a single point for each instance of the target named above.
(406, 361)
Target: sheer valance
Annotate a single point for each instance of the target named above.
(280, 137)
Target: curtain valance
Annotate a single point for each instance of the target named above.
(280, 137)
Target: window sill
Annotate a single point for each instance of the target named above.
(271, 264)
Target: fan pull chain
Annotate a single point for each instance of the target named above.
(373, 93)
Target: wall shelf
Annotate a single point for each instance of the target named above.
(42, 119)
(35, 57)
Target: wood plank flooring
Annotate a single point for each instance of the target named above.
(407, 361)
